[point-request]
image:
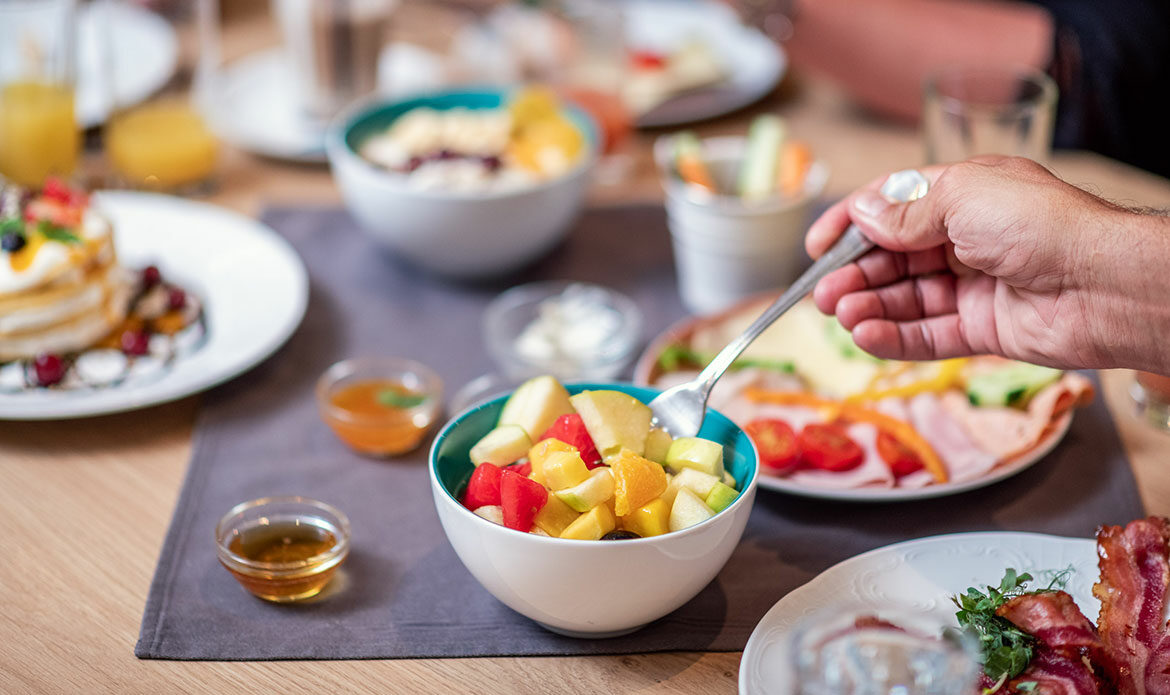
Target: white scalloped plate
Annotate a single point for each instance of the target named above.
(916, 576)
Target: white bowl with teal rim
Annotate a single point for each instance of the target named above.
(455, 233)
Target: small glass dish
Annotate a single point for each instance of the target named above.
(283, 549)
(571, 330)
(379, 406)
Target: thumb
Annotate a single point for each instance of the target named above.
(912, 226)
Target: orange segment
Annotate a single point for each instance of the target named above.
(637, 481)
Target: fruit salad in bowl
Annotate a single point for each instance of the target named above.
(464, 183)
(569, 507)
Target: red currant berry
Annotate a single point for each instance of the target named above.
(176, 299)
(49, 369)
(134, 342)
(151, 276)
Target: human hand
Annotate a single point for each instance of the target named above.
(1000, 257)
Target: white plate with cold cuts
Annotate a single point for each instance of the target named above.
(913, 578)
(252, 285)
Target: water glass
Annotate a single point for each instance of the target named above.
(864, 651)
(1151, 392)
(988, 110)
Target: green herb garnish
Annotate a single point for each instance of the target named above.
(397, 399)
(53, 232)
(1006, 650)
(11, 226)
(677, 356)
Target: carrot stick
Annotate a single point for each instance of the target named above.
(795, 160)
(688, 160)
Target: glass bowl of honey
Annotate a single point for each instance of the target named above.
(283, 549)
(380, 406)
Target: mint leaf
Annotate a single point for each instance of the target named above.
(396, 399)
(59, 234)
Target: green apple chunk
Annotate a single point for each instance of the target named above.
(688, 510)
(614, 420)
(502, 446)
(535, 405)
(657, 444)
(721, 496)
(729, 479)
(700, 454)
(697, 482)
(597, 488)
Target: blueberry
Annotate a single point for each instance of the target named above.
(12, 241)
(619, 536)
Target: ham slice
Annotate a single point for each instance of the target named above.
(964, 459)
(1008, 432)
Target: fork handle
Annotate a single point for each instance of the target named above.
(851, 246)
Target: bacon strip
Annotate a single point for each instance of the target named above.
(1057, 673)
(1053, 618)
(1135, 572)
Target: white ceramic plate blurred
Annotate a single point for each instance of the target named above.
(256, 108)
(252, 283)
(754, 63)
(143, 56)
(916, 577)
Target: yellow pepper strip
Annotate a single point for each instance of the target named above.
(902, 431)
(949, 372)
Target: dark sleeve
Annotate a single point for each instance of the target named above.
(1112, 64)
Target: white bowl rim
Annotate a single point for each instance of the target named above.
(449, 498)
(336, 148)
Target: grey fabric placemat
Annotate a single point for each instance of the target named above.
(404, 592)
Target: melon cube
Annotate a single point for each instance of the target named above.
(652, 519)
(563, 469)
(591, 525)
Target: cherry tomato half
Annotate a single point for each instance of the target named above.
(828, 448)
(900, 458)
(647, 60)
(776, 443)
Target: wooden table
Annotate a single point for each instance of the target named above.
(84, 504)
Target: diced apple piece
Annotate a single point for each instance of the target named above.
(697, 482)
(658, 443)
(502, 446)
(554, 517)
(721, 497)
(591, 525)
(700, 454)
(652, 519)
(614, 420)
(729, 479)
(563, 469)
(535, 405)
(538, 531)
(688, 510)
(540, 451)
(637, 480)
(597, 488)
(492, 512)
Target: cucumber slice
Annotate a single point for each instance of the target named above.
(1013, 385)
(757, 178)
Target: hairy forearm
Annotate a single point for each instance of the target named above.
(882, 50)
(1128, 266)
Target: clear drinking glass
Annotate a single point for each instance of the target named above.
(988, 110)
(39, 135)
(863, 651)
(1151, 392)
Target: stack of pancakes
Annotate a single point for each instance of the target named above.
(62, 296)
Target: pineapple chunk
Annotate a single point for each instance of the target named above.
(541, 451)
(591, 525)
(688, 510)
(563, 469)
(555, 516)
(597, 488)
(652, 519)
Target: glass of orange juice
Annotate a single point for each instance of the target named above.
(165, 143)
(39, 136)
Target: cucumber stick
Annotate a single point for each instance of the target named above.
(757, 178)
(1013, 385)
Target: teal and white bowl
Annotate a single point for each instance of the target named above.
(588, 588)
(453, 233)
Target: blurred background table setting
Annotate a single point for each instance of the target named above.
(293, 253)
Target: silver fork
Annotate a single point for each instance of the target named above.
(680, 410)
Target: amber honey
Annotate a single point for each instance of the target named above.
(283, 558)
(381, 417)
